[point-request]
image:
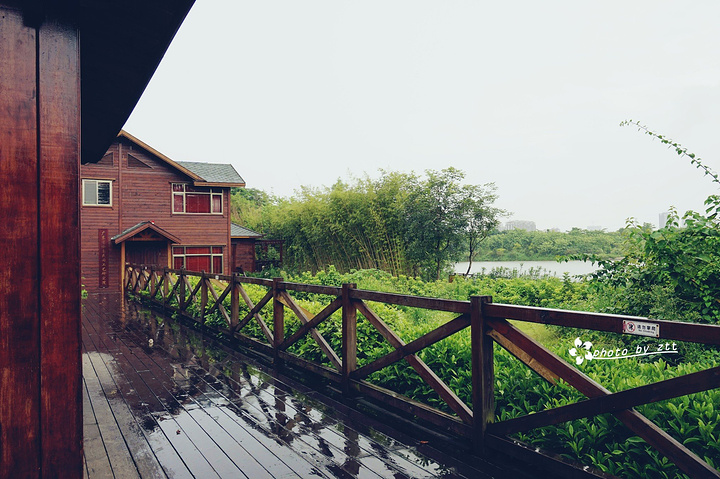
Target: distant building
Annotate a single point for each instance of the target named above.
(520, 225)
(595, 228)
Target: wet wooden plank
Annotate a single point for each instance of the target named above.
(121, 462)
(212, 459)
(135, 444)
(248, 439)
(164, 451)
(241, 417)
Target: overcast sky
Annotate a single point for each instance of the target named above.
(528, 95)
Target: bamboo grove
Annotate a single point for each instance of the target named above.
(402, 223)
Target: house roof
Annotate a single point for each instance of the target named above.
(237, 231)
(214, 172)
(139, 228)
(202, 174)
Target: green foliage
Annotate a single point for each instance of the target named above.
(442, 217)
(400, 222)
(519, 245)
(671, 273)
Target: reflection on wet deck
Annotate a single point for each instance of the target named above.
(161, 400)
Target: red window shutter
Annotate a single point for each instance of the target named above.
(197, 203)
(198, 263)
(178, 204)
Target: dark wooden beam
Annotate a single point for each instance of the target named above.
(19, 243)
(59, 281)
(679, 331)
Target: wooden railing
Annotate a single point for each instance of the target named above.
(488, 323)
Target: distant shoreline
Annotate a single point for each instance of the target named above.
(553, 268)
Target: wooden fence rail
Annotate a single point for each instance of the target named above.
(189, 293)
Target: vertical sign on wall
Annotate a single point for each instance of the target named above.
(103, 258)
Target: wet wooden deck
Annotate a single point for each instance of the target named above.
(162, 400)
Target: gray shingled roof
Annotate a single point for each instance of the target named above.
(240, 231)
(213, 172)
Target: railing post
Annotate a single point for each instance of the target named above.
(153, 282)
(483, 373)
(166, 287)
(181, 289)
(203, 296)
(278, 321)
(349, 336)
(234, 302)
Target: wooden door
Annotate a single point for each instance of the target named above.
(149, 253)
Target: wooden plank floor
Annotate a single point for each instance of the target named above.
(161, 400)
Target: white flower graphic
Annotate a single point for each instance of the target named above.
(579, 355)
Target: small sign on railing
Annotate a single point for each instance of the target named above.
(641, 328)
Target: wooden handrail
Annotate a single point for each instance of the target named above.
(488, 324)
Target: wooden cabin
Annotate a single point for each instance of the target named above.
(243, 242)
(141, 207)
(71, 72)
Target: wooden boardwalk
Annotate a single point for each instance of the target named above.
(162, 400)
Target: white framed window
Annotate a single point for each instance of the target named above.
(190, 199)
(97, 192)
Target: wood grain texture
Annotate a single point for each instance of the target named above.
(59, 282)
(19, 270)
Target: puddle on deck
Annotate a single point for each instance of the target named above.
(210, 411)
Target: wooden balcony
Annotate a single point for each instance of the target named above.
(162, 400)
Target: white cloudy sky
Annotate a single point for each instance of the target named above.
(525, 94)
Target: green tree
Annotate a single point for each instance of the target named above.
(480, 217)
(443, 217)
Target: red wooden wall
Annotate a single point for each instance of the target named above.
(40, 372)
(243, 252)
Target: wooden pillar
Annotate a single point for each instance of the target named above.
(278, 320)
(483, 373)
(40, 368)
(122, 267)
(349, 336)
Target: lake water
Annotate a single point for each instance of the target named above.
(552, 268)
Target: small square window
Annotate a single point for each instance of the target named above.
(97, 192)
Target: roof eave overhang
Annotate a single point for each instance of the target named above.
(153, 151)
(219, 185)
(122, 45)
(170, 237)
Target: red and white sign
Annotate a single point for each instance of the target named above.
(641, 328)
(103, 258)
